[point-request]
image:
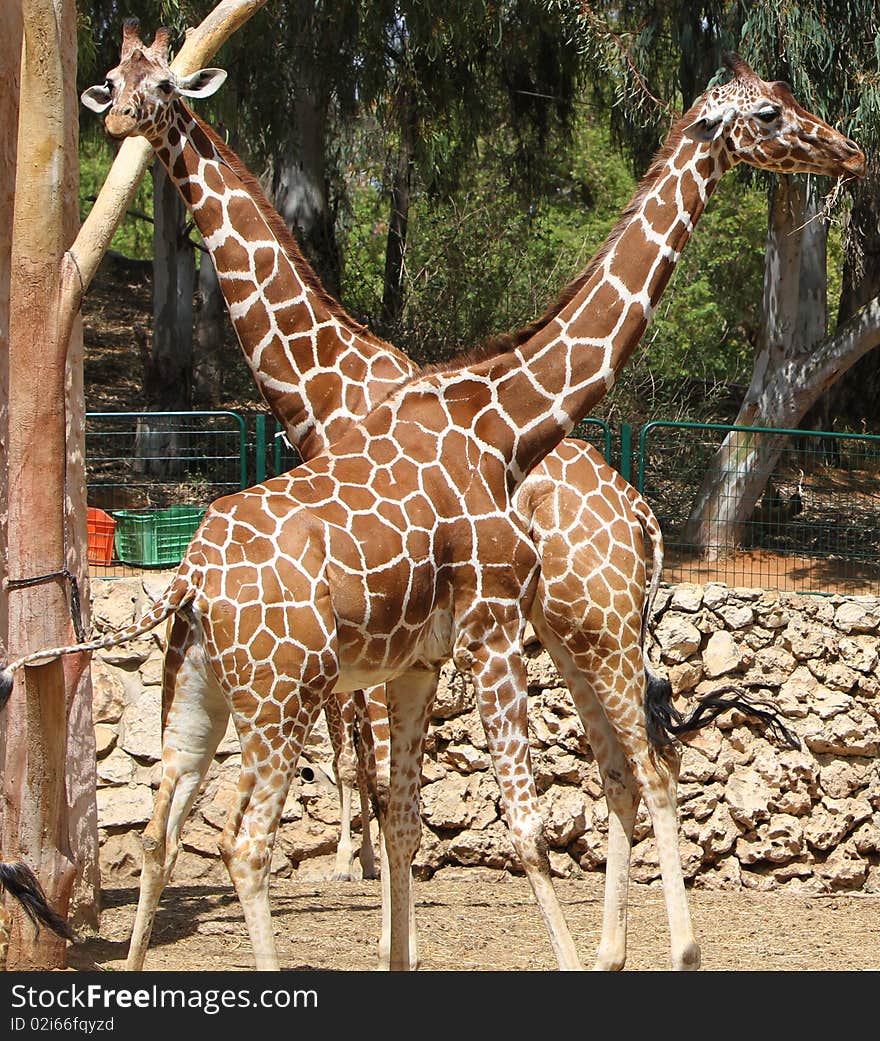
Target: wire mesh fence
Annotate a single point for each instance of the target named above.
(783, 510)
(150, 476)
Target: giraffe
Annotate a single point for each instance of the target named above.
(236, 222)
(398, 547)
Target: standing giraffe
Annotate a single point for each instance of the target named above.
(398, 546)
(586, 521)
(314, 361)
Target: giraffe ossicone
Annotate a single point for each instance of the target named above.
(318, 555)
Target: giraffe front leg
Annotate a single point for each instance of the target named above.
(373, 755)
(498, 672)
(339, 712)
(271, 744)
(409, 703)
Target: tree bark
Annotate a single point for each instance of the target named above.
(398, 221)
(168, 377)
(36, 817)
(300, 190)
(854, 397)
(10, 63)
(208, 338)
(46, 286)
(795, 317)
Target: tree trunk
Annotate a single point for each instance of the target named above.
(208, 340)
(10, 63)
(168, 379)
(300, 189)
(855, 397)
(36, 819)
(794, 319)
(395, 249)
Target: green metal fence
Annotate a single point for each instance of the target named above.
(149, 478)
(279, 456)
(814, 528)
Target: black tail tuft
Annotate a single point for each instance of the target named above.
(665, 722)
(661, 716)
(6, 681)
(21, 883)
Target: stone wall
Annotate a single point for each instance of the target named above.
(752, 813)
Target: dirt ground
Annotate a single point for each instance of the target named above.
(478, 919)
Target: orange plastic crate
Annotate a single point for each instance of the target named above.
(101, 528)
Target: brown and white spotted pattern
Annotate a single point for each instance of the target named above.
(239, 227)
(399, 545)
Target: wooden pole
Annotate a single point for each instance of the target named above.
(35, 819)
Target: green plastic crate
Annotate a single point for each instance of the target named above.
(156, 538)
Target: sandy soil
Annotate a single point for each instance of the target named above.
(477, 919)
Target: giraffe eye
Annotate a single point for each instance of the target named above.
(165, 86)
(768, 114)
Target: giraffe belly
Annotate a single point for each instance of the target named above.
(367, 659)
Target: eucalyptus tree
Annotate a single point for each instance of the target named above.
(829, 50)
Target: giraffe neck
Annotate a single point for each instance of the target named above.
(553, 379)
(317, 369)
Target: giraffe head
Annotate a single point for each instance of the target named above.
(760, 123)
(140, 91)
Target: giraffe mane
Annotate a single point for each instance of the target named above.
(282, 233)
(504, 343)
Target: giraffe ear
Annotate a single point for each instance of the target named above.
(98, 98)
(201, 84)
(708, 128)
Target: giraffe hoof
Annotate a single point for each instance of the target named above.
(340, 876)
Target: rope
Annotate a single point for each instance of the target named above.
(75, 608)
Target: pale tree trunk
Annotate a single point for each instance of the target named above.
(795, 318)
(46, 287)
(855, 396)
(168, 379)
(208, 337)
(36, 816)
(80, 772)
(299, 187)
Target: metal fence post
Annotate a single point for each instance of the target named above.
(260, 454)
(626, 451)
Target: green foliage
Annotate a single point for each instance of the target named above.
(134, 237)
(479, 260)
(710, 315)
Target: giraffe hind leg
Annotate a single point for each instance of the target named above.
(631, 767)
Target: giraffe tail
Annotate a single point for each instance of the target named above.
(175, 596)
(659, 687)
(21, 883)
(665, 723)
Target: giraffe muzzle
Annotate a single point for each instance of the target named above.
(119, 125)
(856, 164)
